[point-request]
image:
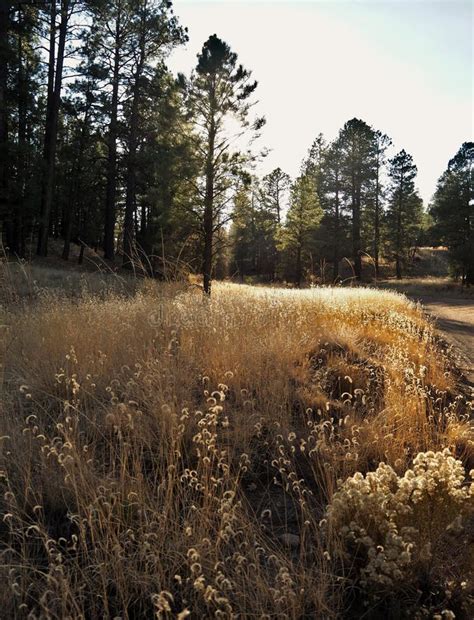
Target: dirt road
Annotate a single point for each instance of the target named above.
(455, 319)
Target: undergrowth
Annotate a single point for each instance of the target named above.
(165, 455)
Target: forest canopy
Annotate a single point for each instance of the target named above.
(102, 146)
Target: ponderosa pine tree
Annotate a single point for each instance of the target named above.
(304, 215)
(112, 49)
(453, 210)
(21, 111)
(28, 73)
(242, 234)
(333, 202)
(314, 165)
(5, 53)
(219, 89)
(253, 234)
(273, 197)
(381, 142)
(166, 223)
(405, 208)
(82, 110)
(356, 141)
(155, 32)
(274, 191)
(56, 56)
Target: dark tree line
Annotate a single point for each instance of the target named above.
(101, 146)
(87, 99)
(453, 211)
(348, 202)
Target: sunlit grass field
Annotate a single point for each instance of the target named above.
(169, 456)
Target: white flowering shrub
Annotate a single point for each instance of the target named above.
(409, 536)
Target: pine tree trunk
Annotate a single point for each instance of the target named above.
(131, 176)
(356, 242)
(4, 158)
(335, 272)
(398, 267)
(298, 274)
(55, 76)
(377, 224)
(18, 234)
(398, 261)
(208, 230)
(209, 205)
(469, 277)
(76, 174)
(111, 190)
(278, 207)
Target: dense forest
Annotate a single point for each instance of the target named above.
(102, 146)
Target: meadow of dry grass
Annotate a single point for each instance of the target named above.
(165, 455)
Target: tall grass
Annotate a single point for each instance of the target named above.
(165, 455)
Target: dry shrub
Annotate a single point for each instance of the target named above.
(409, 539)
(165, 454)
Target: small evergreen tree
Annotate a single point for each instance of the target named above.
(273, 192)
(304, 215)
(253, 234)
(405, 208)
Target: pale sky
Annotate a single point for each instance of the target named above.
(403, 66)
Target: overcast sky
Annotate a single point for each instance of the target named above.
(403, 66)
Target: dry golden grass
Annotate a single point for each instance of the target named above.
(165, 455)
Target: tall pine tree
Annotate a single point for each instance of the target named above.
(405, 208)
(219, 89)
(453, 210)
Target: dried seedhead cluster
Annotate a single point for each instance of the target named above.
(399, 533)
